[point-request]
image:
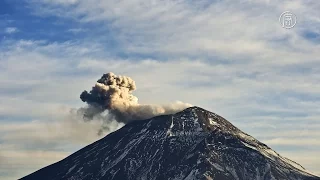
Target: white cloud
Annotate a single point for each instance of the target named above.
(11, 30)
(48, 84)
(60, 2)
(294, 141)
(231, 57)
(77, 30)
(11, 160)
(28, 146)
(246, 30)
(310, 159)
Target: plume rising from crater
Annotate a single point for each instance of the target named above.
(114, 94)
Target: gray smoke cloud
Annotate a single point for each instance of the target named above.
(112, 95)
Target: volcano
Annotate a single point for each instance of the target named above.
(193, 144)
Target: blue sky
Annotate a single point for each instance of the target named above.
(230, 57)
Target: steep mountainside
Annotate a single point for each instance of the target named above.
(193, 144)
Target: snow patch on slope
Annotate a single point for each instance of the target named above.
(212, 122)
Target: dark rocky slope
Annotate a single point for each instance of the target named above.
(193, 144)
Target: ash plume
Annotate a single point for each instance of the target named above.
(113, 94)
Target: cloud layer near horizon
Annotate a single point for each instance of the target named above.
(232, 58)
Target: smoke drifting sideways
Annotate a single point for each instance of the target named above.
(111, 97)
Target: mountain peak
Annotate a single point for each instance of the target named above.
(208, 121)
(190, 145)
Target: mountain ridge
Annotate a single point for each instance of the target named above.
(191, 144)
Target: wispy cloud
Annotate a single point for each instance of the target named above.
(293, 141)
(77, 30)
(11, 30)
(223, 90)
(11, 160)
(204, 28)
(230, 57)
(310, 159)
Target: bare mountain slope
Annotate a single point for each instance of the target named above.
(192, 144)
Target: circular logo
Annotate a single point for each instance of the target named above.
(288, 20)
